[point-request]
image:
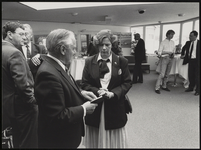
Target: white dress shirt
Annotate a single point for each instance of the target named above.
(24, 49)
(166, 46)
(193, 56)
(107, 77)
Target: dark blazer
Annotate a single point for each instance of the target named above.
(17, 80)
(140, 51)
(92, 50)
(120, 84)
(185, 51)
(35, 49)
(60, 111)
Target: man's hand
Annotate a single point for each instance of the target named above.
(182, 56)
(90, 107)
(89, 95)
(36, 61)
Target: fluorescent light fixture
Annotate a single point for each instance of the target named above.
(59, 5)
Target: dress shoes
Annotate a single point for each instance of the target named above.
(158, 91)
(134, 82)
(196, 94)
(166, 89)
(139, 81)
(189, 90)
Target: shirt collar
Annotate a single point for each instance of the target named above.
(99, 57)
(28, 45)
(58, 61)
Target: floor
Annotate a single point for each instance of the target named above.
(166, 120)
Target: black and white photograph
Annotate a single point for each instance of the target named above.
(90, 75)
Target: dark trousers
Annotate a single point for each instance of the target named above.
(137, 72)
(25, 127)
(193, 75)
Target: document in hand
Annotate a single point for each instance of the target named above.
(98, 100)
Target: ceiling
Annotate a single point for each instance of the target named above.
(118, 15)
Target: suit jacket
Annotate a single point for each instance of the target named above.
(185, 51)
(92, 50)
(140, 51)
(17, 81)
(35, 49)
(60, 111)
(120, 84)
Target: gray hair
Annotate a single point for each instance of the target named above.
(28, 26)
(58, 37)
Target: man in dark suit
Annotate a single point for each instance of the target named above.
(19, 104)
(191, 55)
(32, 51)
(62, 105)
(92, 50)
(140, 56)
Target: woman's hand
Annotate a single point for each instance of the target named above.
(109, 95)
(102, 91)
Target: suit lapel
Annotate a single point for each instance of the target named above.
(63, 73)
(21, 51)
(115, 68)
(95, 70)
(34, 50)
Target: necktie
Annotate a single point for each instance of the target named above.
(103, 68)
(191, 50)
(28, 52)
(68, 72)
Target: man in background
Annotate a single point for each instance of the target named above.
(139, 53)
(92, 50)
(166, 54)
(116, 47)
(42, 41)
(191, 55)
(19, 104)
(32, 51)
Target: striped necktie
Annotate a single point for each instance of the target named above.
(28, 52)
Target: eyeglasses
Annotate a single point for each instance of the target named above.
(21, 33)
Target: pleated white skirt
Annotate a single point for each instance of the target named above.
(101, 138)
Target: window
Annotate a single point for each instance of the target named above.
(152, 33)
(187, 28)
(175, 28)
(197, 27)
(152, 38)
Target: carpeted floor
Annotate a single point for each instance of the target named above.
(166, 120)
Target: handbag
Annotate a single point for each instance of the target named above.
(128, 106)
(7, 141)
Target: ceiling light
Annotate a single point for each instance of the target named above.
(59, 5)
(74, 14)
